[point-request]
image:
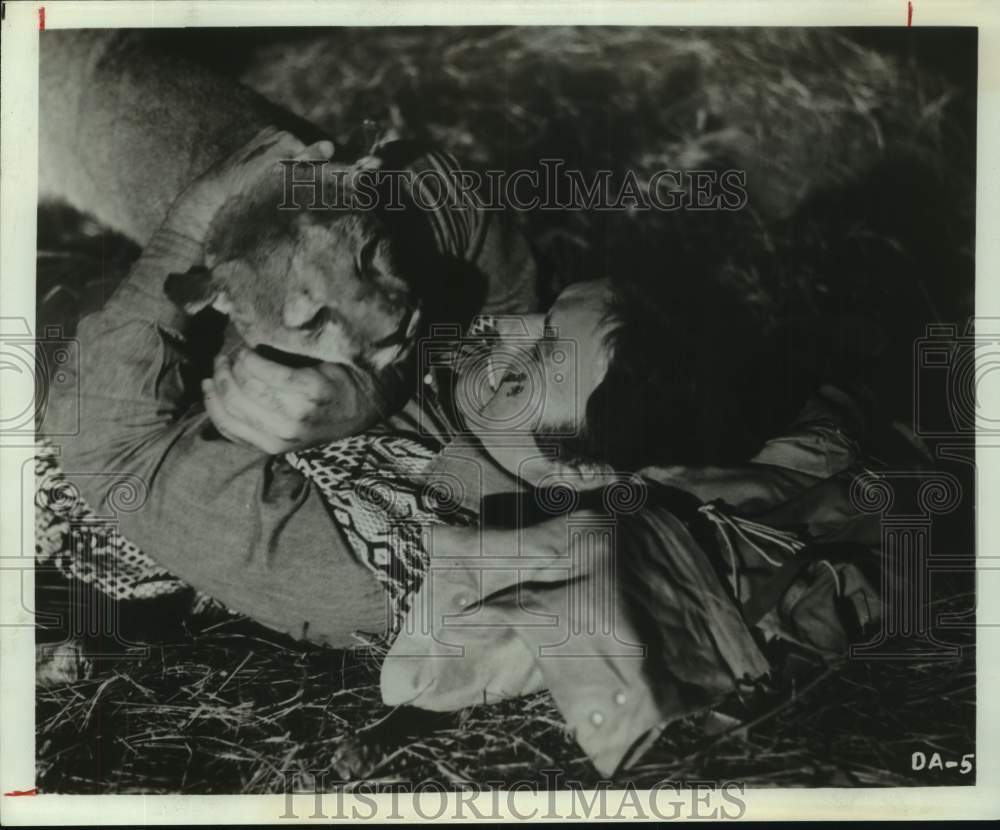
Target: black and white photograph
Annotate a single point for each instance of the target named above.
(502, 408)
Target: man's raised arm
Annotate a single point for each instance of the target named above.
(229, 519)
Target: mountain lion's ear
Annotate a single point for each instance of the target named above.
(193, 291)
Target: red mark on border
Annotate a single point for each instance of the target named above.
(32, 791)
(41, 28)
(909, 13)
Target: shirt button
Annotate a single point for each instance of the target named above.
(597, 718)
(620, 698)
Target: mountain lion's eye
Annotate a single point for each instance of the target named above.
(366, 257)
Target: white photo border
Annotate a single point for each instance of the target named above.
(18, 200)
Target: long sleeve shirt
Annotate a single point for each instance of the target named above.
(235, 523)
(283, 540)
(241, 526)
(502, 613)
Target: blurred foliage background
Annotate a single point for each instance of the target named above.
(858, 146)
(859, 149)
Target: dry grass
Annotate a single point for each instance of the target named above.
(829, 132)
(229, 707)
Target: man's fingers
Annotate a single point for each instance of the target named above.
(318, 151)
(268, 141)
(218, 415)
(234, 429)
(261, 139)
(262, 145)
(290, 400)
(266, 371)
(307, 382)
(248, 409)
(261, 155)
(255, 387)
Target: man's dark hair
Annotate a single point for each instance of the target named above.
(694, 376)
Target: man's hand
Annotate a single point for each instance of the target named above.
(178, 243)
(193, 211)
(257, 402)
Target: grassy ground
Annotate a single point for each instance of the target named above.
(859, 156)
(224, 706)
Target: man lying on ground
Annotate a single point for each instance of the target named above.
(314, 542)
